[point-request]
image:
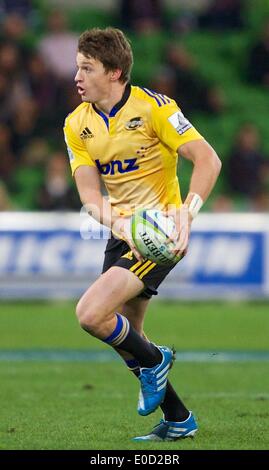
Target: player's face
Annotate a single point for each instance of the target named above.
(93, 82)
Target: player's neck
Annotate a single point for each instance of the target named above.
(114, 96)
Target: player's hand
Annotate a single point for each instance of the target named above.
(122, 229)
(180, 236)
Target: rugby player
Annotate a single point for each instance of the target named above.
(130, 138)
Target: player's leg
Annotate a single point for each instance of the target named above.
(178, 421)
(96, 308)
(134, 310)
(97, 314)
(118, 253)
(172, 406)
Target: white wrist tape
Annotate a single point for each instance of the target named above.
(195, 204)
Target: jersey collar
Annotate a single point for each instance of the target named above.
(117, 106)
(122, 102)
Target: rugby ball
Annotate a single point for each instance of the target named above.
(150, 230)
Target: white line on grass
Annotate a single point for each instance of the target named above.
(81, 355)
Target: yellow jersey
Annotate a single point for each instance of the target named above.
(134, 148)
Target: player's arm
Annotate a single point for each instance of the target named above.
(206, 168)
(174, 129)
(87, 176)
(88, 183)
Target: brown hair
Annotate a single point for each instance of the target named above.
(111, 47)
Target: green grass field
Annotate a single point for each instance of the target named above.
(73, 404)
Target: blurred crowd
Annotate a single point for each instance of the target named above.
(37, 68)
(36, 93)
(149, 15)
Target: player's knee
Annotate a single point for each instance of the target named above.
(87, 317)
(89, 323)
(83, 314)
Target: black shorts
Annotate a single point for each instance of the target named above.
(118, 253)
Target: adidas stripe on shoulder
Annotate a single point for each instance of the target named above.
(157, 97)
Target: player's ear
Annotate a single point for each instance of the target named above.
(115, 75)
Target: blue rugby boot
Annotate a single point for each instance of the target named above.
(153, 382)
(171, 430)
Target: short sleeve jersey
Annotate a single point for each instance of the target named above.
(134, 148)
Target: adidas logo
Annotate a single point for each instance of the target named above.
(86, 134)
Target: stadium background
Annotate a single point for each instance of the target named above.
(210, 56)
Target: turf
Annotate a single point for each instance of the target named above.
(93, 406)
(80, 405)
(194, 326)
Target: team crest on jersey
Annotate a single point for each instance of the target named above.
(134, 123)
